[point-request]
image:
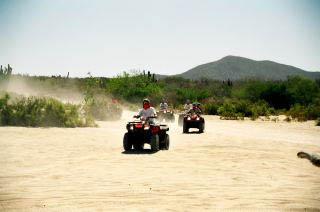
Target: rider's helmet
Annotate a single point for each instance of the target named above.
(188, 101)
(195, 105)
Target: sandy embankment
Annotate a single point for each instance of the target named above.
(234, 164)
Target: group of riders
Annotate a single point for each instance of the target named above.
(148, 112)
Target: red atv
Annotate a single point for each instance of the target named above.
(144, 131)
(193, 120)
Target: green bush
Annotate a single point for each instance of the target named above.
(298, 112)
(302, 91)
(261, 108)
(42, 112)
(192, 94)
(228, 111)
(134, 87)
(243, 107)
(304, 113)
(211, 108)
(232, 109)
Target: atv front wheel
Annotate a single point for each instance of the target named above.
(201, 128)
(127, 145)
(155, 143)
(185, 128)
(166, 142)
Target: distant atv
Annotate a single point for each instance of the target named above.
(143, 131)
(193, 120)
(166, 115)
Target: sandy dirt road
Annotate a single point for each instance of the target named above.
(233, 165)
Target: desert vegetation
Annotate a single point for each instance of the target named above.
(40, 111)
(297, 97)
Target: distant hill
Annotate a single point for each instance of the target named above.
(237, 68)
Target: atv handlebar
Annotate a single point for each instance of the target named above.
(150, 117)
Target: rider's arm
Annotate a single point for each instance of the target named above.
(139, 114)
(154, 112)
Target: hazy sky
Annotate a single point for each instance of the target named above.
(46, 37)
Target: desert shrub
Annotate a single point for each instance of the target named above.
(304, 113)
(133, 87)
(237, 109)
(253, 90)
(302, 91)
(276, 95)
(298, 112)
(42, 112)
(280, 94)
(243, 107)
(228, 111)
(313, 111)
(193, 94)
(211, 108)
(318, 122)
(260, 108)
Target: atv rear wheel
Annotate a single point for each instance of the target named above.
(127, 145)
(154, 143)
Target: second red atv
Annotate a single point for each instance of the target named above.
(193, 120)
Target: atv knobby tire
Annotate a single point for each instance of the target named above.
(201, 128)
(154, 143)
(127, 145)
(185, 128)
(166, 142)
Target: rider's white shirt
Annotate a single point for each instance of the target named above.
(188, 107)
(147, 113)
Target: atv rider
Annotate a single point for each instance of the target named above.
(163, 105)
(146, 112)
(188, 106)
(196, 108)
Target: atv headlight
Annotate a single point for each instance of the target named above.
(164, 111)
(189, 118)
(146, 127)
(131, 127)
(197, 118)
